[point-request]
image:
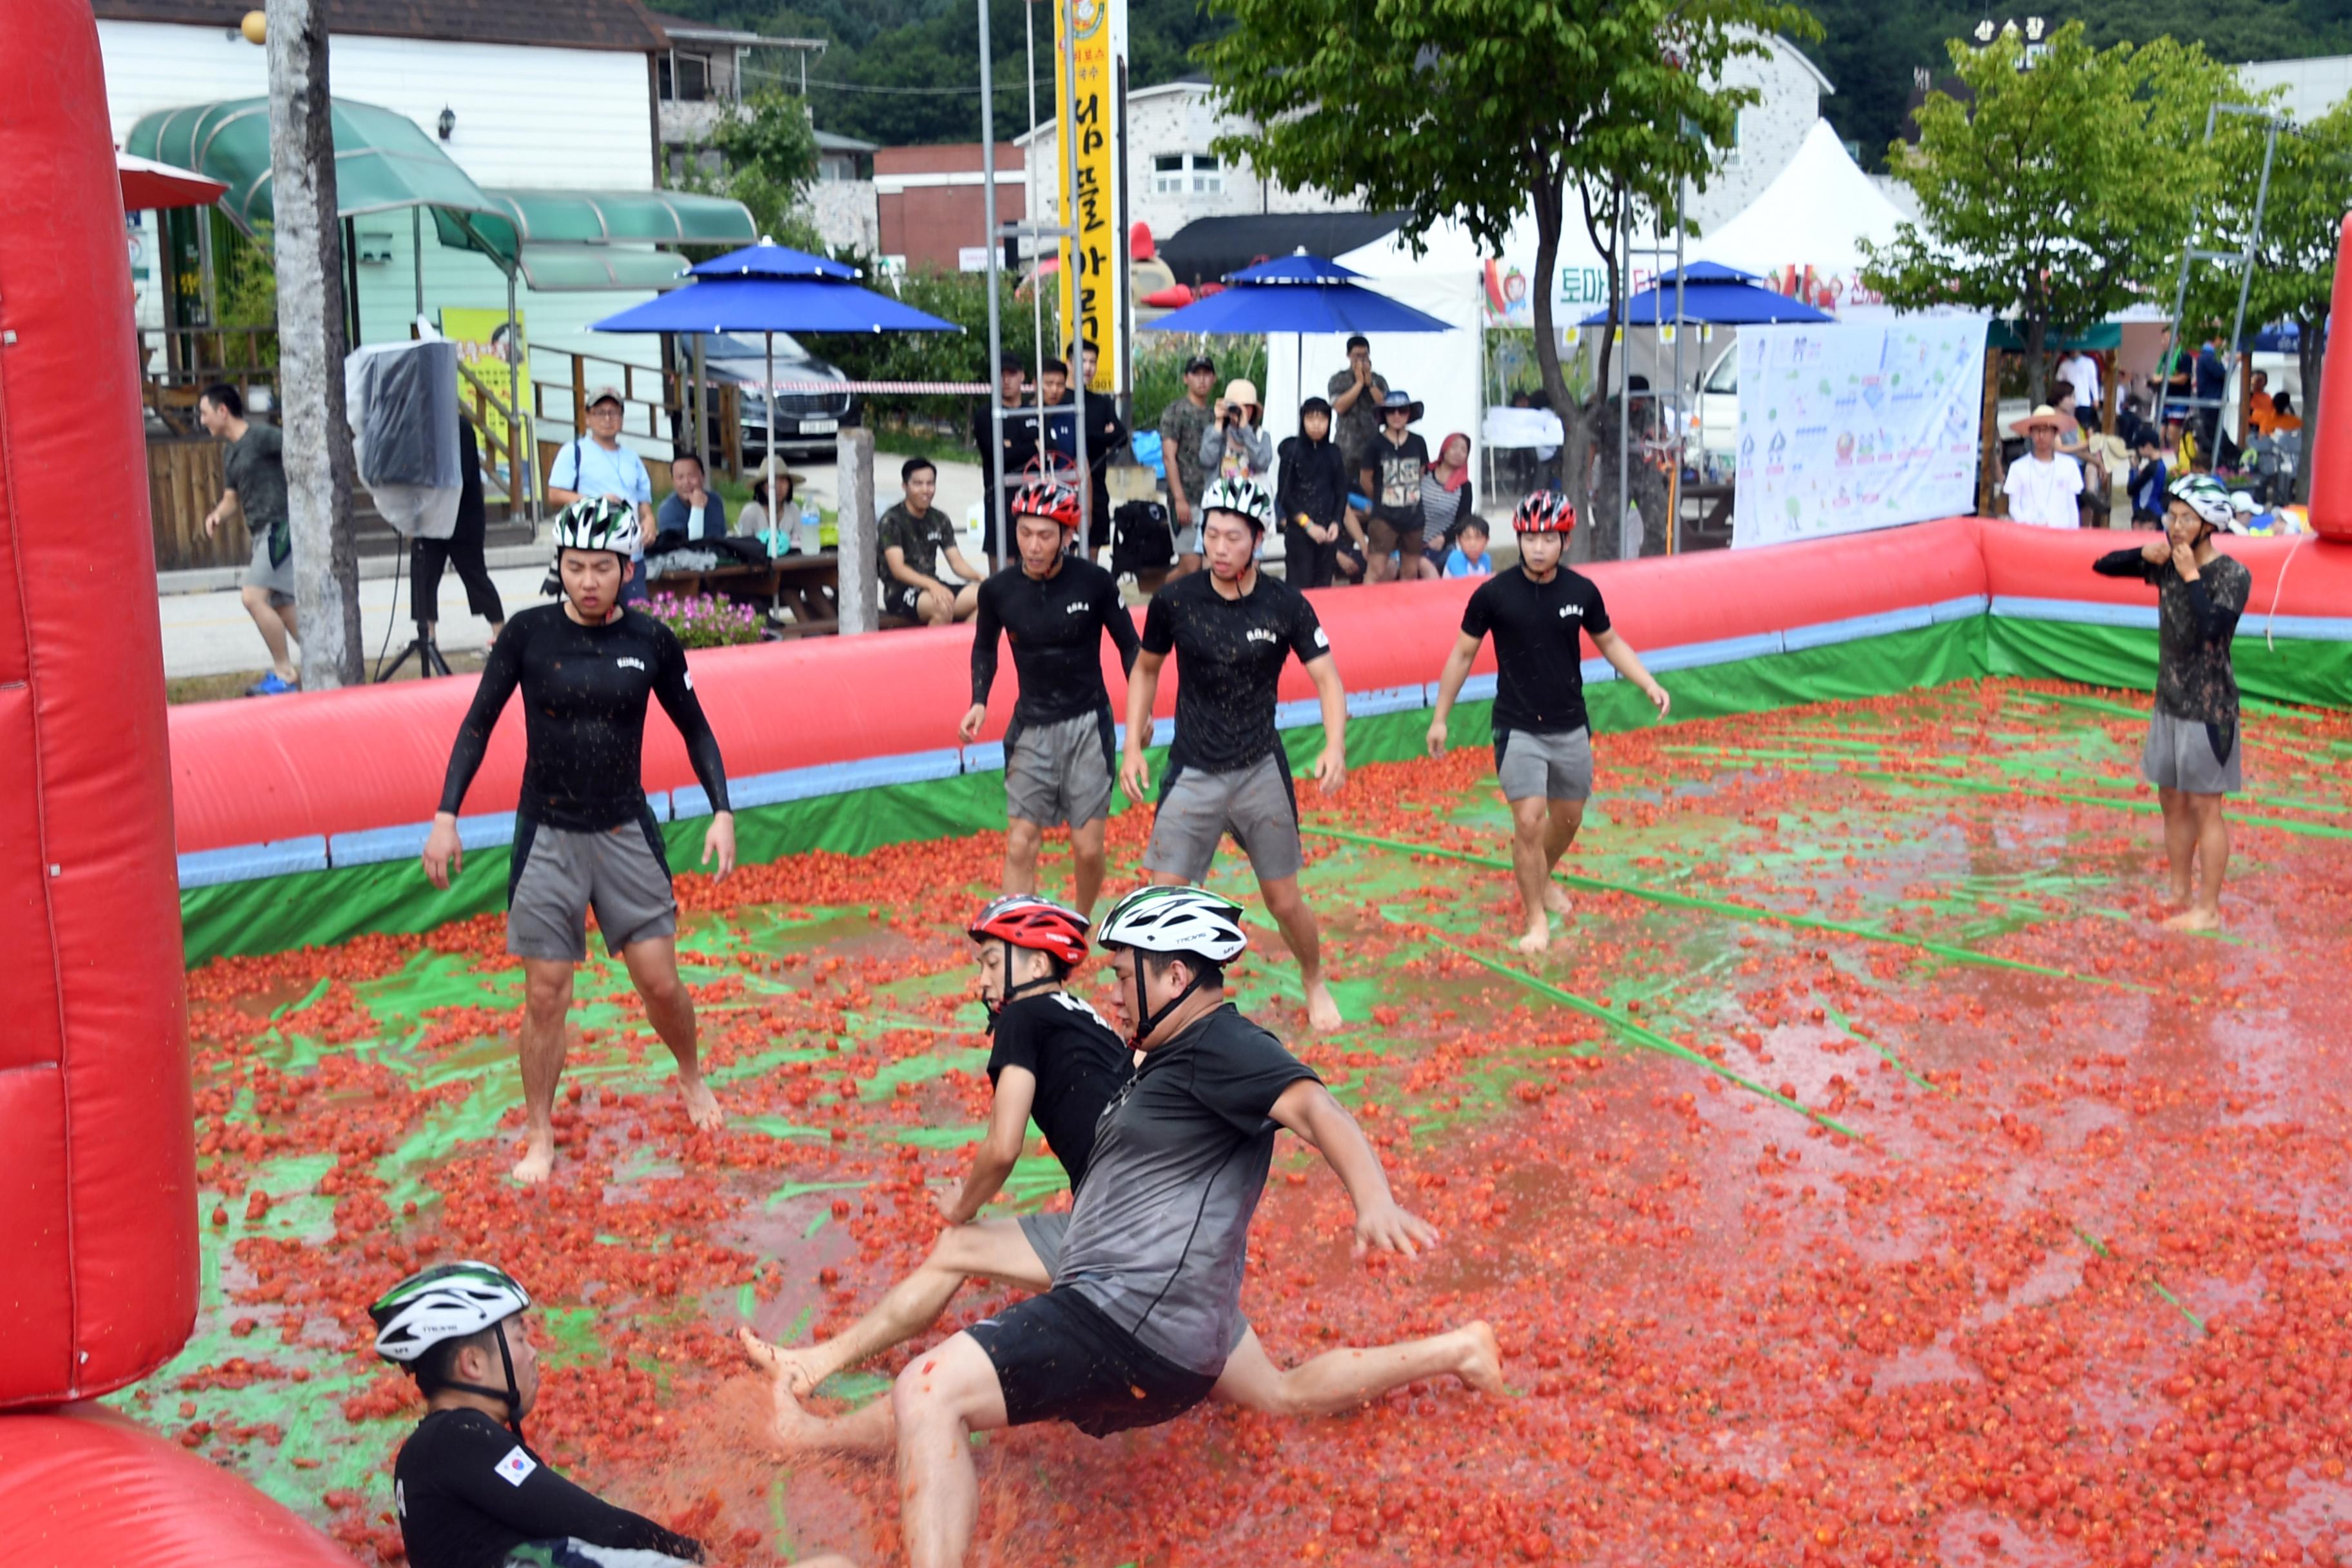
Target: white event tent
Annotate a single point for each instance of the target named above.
(1812, 219)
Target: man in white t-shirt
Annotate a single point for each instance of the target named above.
(2044, 487)
(598, 464)
(2081, 372)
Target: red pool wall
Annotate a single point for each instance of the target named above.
(97, 1220)
(247, 773)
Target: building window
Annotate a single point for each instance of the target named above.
(683, 79)
(1173, 173)
(1738, 137)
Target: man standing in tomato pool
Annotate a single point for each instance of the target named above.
(1056, 606)
(1233, 628)
(1145, 1310)
(584, 836)
(2194, 743)
(1543, 743)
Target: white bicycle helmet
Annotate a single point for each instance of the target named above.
(595, 523)
(1189, 922)
(1245, 497)
(447, 1302)
(451, 1302)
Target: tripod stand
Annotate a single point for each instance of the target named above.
(424, 650)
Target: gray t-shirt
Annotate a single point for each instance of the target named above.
(255, 467)
(1179, 1160)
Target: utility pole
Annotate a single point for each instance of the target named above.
(308, 247)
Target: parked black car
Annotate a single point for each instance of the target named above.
(805, 421)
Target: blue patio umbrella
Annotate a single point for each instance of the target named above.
(1298, 293)
(1721, 296)
(768, 289)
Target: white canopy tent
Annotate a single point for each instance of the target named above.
(1812, 219)
(1451, 281)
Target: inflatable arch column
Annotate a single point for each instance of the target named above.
(2327, 445)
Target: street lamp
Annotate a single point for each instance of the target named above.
(448, 122)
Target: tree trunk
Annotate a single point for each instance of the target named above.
(1575, 437)
(2037, 370)
(309, 252)
(2311, 354)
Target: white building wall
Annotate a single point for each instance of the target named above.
(2311, 88)
(526, 117)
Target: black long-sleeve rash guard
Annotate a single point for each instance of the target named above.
(1057, 626)
(467, 1491)
(583, 691)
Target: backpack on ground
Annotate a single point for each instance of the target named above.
(1140, 539)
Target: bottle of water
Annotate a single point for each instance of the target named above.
(809, 541)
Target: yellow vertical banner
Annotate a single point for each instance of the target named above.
(1092, 139)
(498, 362)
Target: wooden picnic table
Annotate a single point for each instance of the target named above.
(806, 588)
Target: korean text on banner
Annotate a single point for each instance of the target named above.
(1093, 311)
(1857, 425)
(500, 363)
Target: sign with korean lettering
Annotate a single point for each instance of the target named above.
(1091, 140)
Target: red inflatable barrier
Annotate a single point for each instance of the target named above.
(98, 1218)
(2055, 564)
(84, 1487)
(2331, 459)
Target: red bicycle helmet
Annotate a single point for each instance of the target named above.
(1024, 919)
(1545, 511)
(1044, 497)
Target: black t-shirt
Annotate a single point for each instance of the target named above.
(1396, 476)
(583, 692)
(1056, 627)
(1540, 669)
(466, 1492)
(1229, 656)
(1077, 1060)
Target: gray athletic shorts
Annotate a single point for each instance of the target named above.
(2186, 754)
(1057, 774)
(1557, 767)
(279, 580)
(558, 875)
(1045, 1232)
(1254, 804)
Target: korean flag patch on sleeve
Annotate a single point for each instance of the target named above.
(517, 1465)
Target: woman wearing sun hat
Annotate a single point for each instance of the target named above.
(2044, 487)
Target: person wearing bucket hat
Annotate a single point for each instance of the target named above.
(2193, 741)
(2044, 486)
(1235, 444)
(1398, 459)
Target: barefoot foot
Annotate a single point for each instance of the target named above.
(1555, 899)
(701, 1105)
(791, 1427)
(1482, 1365)
(1322, 1012)
(793, 1369)
(537, 1159)
(1539, 936)
(2195, 918)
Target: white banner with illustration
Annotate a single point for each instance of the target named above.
(1846, 426)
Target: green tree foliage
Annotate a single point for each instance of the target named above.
(2062, 192)
(768, 157)
(1474, 110)
(1869, 48)
(958, 297)
(2294, 257)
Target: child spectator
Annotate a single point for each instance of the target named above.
(1468, 558)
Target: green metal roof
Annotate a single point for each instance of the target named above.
(385, 161)
(382, 160)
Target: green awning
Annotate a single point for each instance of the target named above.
(2011, 335)
(382, 161)
(574, 268)
(624, 217)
